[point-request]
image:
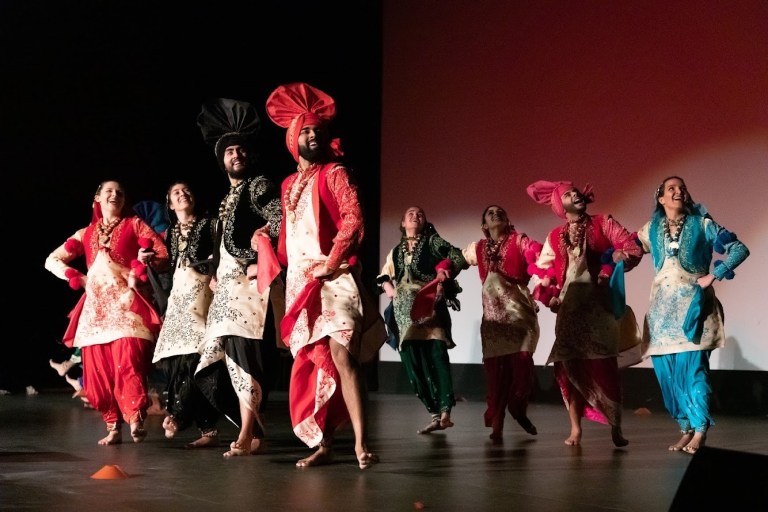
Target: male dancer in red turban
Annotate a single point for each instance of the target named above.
(329, 325)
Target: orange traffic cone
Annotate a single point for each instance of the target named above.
(109, 473)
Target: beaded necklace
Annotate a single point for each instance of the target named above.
(229, 202)
(573, 235)
(406, 246)
(297, 189)
(410, 256)
(673, 240)
(181, 231)
(105, 231)
(491, 251)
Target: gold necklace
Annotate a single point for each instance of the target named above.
(407, 248)
(181, 231)
(105, 231)
(229, 202)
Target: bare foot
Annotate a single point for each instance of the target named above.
(687, 436)
(242, 446)
(435, 424)
(114, 436)
(170, 427)
(323, 456)
(61, 368)
(445, 420)
(496, 437)
(618, 439)
(138, 432)
(235, 450)
(367, 459)
(574, 439)
(527, 425)
(75, 383)
(206, 439)
(697, 442)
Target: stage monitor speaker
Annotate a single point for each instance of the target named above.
(717, 476)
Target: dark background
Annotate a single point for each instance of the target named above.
(111, 90)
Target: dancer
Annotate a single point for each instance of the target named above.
(685, 320)
(114, 323)
(509, 330)
(331, 323)
(190, 239)
(419, 276)
(240, 330)
(572, 278)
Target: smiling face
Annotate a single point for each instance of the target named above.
(574, 202)
(236, 161)
(111, 198)
(673, 196)
(181, 198)
(413, 221)
(494, 220)
(313, 140)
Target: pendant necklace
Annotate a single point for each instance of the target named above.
(105, 231)
(673, 240)
(182, 231)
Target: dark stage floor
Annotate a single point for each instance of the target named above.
(48, 453)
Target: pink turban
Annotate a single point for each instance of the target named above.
(294, 106)
(551, 193)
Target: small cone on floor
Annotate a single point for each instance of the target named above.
(642, 411)
(109, 472)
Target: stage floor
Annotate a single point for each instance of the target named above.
(48, 453)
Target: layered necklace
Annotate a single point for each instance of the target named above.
(573, 235)
(181, 232)
(105, 231)
(229, 202)
(406, 243)
(673, 239)
(293, 196)
(491, 251)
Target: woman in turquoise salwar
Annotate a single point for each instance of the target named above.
(684, 323)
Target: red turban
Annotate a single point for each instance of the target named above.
(294, 106)
(551, 193)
